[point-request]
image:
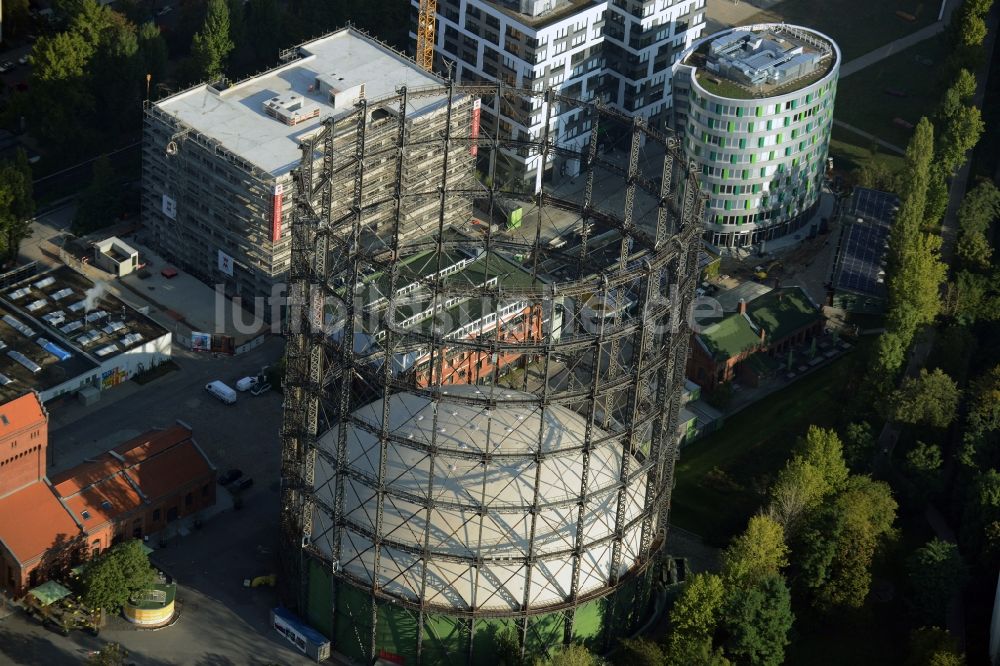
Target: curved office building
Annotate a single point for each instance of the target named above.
(755, 104)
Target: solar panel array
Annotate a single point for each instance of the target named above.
(861, 268)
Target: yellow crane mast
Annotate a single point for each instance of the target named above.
(426, 22)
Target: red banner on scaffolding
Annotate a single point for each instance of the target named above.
(276, 213)
(474, 135)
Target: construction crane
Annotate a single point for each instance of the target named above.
(426, 21)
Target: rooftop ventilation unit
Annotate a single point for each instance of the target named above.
(131, 339)
(54, 318)
(34, 306)
(107, 350)
(19, 293)
(61, 294)
(44, 282)
(88, 338)
(18, 326)
(290, 108)
(25, 361)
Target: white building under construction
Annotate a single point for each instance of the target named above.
(218, 158)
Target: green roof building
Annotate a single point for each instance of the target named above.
(771, 324)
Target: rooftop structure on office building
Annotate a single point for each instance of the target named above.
(755, 105)
(480, 422)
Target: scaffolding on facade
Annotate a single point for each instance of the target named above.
(480, 418)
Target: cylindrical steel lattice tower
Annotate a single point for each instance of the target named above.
(482, 384)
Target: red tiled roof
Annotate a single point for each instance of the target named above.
(104, 501)
(32, 520)
(158, 462)
(85, 474)
(151, 443)
(20, 413)
(162, 474)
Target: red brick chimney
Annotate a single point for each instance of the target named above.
(742, 307)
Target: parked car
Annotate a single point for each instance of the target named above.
(221, 391)
(228, 477)
(6, 66)
(23, 60)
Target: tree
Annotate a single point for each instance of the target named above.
(17, 203)
(822, 449)
(570, 655)
(930, 399)
(695, 617)
(919, 158)
(979, 208)
(933, 646)
(642, 652)
(923, 462)
(264, 28)
(91, 21)
(99, 202)
(936, 572)
(877, 176)
(760, 552)
(835, 553)
(16, 18)
(112, 578)
(799, 488)
(757, 622)
(960, 92)
(117, 78)
(974, 250)
(508, 647)
(859, 445)
(152, 52)
(981, 514)
(212, 45)
(917, 282)
(984, 406)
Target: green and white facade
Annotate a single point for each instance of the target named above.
(754, 105)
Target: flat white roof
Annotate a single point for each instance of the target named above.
(235, 117)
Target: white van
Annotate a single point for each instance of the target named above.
(221, 391)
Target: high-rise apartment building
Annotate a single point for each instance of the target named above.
(754, 106)
(620, 52)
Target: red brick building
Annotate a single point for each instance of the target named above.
(745, 344)
(134, 490)
(461, 366)
(138, 488)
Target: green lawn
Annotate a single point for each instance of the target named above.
(858, 26)
(750, 448)
(862, 99)
(851, 151)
